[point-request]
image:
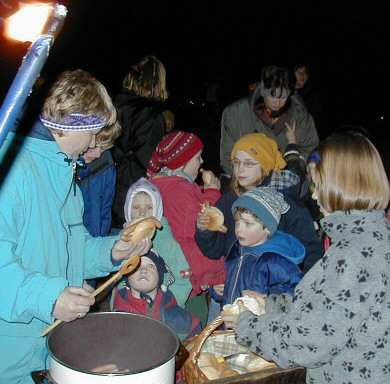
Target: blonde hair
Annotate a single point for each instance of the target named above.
(239, 190)
(349, 174)
(78, 92)
(110, 133)
(147, 79)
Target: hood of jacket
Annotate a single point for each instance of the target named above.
(144, 185)
(281, 243)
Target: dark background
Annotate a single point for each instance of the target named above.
(345, 43)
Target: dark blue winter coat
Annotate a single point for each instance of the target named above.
(296, 221)
(269, 268)
(97, 183)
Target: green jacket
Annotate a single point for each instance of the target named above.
(169, 249)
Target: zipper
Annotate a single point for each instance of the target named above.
(69, 226)
(237, 274)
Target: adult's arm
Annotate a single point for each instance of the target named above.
(306, 333)
(307, 135)
(25, 293)
(228, 138)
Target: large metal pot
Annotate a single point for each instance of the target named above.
(145, 346)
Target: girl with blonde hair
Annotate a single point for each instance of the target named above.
(338, 323)
(141, 109)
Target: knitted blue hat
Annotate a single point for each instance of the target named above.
(266, 203)
(161, 268)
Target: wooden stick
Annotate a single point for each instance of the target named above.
(127, 267)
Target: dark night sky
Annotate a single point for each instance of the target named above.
(345, 42)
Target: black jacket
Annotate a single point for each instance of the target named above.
(142, 129)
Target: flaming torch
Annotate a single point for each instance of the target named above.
(34, 60)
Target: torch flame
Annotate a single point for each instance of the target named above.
(27, 23)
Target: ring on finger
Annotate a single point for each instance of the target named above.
(79, 315)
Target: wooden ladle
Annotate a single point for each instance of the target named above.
(125, 269)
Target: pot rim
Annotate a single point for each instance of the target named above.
(118, 374)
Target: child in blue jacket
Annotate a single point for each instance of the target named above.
(97, 181)
(262, 259)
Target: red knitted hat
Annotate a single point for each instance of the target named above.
(174, 150)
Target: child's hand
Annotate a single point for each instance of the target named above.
(291, 134)
(214, 183)
(219, 289)
(123, 250)
(202, 221)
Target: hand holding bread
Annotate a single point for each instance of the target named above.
(216, 218)
(209, 179)
(140, 229)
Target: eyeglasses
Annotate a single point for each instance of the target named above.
(246, 163)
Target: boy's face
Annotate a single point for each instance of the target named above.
(274, 104)
(145, 278)
(249, 231)
(141, 206)
(301, 76)
(94, 153)
(192, 167)
(75, 143)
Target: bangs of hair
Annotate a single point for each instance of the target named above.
(248, 212)
(78, 92)
(351, 174)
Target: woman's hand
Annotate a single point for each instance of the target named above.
(123, 250)
(218, 289)
(202, 221)
(73, 303)
(291, 134)
(214, 183)
(260, 298)
(231, 320)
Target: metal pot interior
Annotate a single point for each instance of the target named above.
(130, 341)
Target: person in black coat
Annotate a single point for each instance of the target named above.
(140, 106)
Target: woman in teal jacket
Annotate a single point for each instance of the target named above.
(46, 252)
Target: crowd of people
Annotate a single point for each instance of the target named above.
(307, 234)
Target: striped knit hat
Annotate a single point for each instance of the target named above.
(173, 151)
(266, 203)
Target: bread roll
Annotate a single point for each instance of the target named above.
(216, 217)
(257, 363)
(229, 373)
(208, 359)
(139, 229)
(210, 372)
(206, 176)
(249, 302)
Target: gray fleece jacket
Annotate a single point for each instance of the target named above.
(239, 119)
(338, 324)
